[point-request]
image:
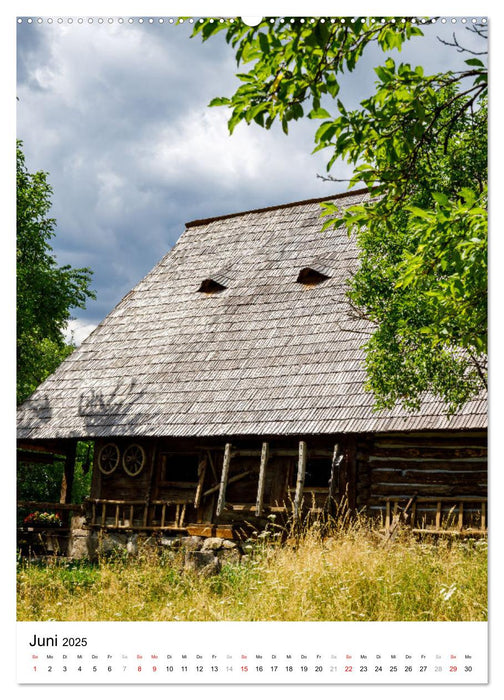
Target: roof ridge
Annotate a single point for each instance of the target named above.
(340, 195)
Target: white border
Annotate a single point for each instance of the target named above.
(228, 8)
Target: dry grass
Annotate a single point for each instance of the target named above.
(348, 576)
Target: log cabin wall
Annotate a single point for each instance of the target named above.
(118, 484)
(188, 474)
(373, 469)
(447, 467)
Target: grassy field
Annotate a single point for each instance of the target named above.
(348, 576)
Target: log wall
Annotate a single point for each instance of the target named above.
(374, 469)
(442, 465)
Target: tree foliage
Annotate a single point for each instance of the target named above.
(419, 143)
(45, 292)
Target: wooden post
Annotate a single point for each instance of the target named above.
(202, 465)
(224, 478)
(262, 475)
(351, 472)
(300, 478)
(334, 478)
(150, 486)
(461, 516)
(68, 474)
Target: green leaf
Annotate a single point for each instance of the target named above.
(440, 198)
(264, 43)
(219, 102)
(319, 113)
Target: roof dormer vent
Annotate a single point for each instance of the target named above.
(311, 276)
(217, 281)
(211, 286)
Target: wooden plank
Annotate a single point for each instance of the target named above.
(115, 501)
(57, 449)
(202, 466)
(427, 466)
(461, 515)
(68, 474)
(467, 439)
(210, 530)
(51, 505)
(24, 457)
(452, 499)
(483, 515)
(224, 479)
(262, 478)
(438, 514)
(281, 452)
(104, 514)
(430, 491)
(163, 514)
(421, 452)
(300, 478)
(351, 471)
(334, 477)
(116, 520)
(435, 476)
(387, 515)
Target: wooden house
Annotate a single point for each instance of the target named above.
(228, 385)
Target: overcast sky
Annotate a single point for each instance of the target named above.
(117, 114)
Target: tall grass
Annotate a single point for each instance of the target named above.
(350, 575)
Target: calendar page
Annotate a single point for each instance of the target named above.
(252, 347)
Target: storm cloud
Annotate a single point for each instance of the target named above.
(117, 114)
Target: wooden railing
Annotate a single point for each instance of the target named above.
(136, 514)
(447, 515)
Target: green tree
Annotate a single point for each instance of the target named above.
(45, 292)
(419, 143)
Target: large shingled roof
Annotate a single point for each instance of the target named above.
(261, 355)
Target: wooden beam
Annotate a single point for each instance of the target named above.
(77, 507)
(461, 516)
(262, 476)
(68, 474)
(351, 471)
(202, 466)
(50, 447)
(224, 479)
(334, 477)
(300, 478)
